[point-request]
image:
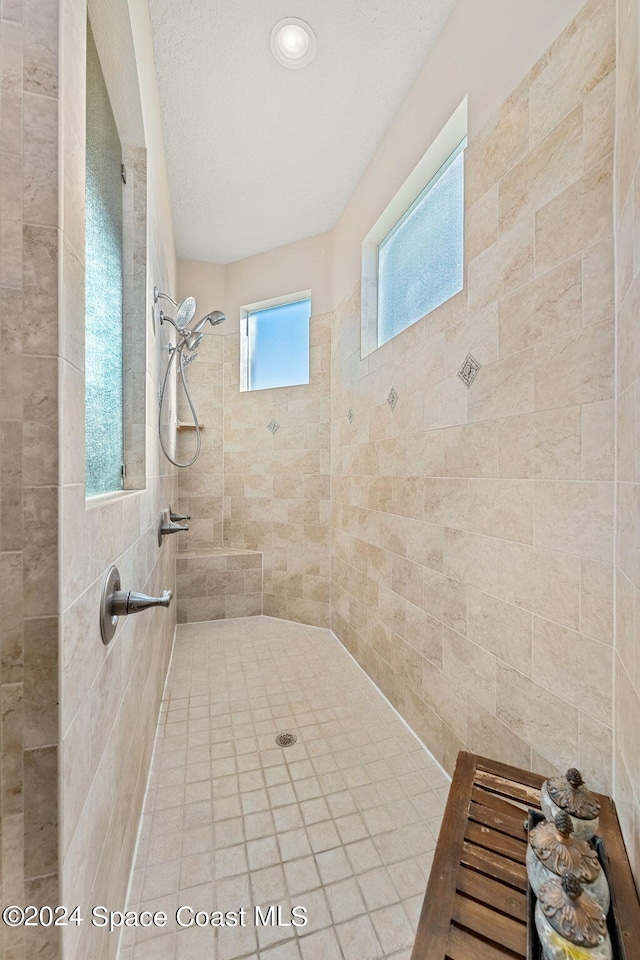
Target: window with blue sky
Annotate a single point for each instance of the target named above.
(277, 345)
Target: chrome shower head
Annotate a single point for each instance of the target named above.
(214, 318)
(185, 312)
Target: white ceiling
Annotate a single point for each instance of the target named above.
(260, 155)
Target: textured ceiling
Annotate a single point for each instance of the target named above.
(260, 155)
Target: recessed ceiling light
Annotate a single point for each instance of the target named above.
(293, 43)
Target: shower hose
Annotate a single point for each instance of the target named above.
(178, 350)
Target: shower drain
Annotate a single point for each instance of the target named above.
(286, 739)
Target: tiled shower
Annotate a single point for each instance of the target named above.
(474, 548)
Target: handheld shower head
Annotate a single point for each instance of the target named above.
(214, 318)
(193, 340)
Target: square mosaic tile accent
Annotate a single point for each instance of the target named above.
(273, 426)
(392, 398)
(343, 822)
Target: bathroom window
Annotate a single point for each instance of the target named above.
(413, 258)
(104, 288)
(275, 343)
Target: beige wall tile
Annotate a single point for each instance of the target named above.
(470, 559)
(575, 517)
(481, 224)
(627, 711)
(40, 145)
(599, 120)
(587, 682)
(628, 338)
(551, 166)
(446, 502)
(626, 432)
(501, 628)
(502, 267)
(444, 599)
(502, 508)
(503, 388)
(598, 440)
(478, 335)
(445, 697)
(596, 600)
(470, 666)
(471, 450)
(543, 582)
(581, 57)
(41, 47)
(537, 715)
(488, 736)
(596, 753)
(598, 282)
(628, 529)
(445, 404)
(575, 368)
(542, 309)
(499, 146)
(578, 217)
(545, 445)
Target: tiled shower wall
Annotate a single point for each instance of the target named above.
(473, 528)
(200, 487)
(110, 695)
(277, 484)
(29, 465)
(627, 214)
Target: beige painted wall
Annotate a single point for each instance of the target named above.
(627, 216)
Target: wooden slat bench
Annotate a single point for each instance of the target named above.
(475, 907)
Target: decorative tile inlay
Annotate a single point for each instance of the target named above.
(350, 415)
(469, 370)
(273, 426)
(392, 399)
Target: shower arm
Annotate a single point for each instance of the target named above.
(163, 296)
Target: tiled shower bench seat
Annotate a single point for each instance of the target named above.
(216, 583)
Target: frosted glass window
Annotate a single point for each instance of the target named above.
(278, 345)
(421, 260)
(103, 321)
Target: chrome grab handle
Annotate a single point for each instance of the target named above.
(168, 528)
(122, 603)
(116, 603)
(165, 527)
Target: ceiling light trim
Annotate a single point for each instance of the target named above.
(293, 62)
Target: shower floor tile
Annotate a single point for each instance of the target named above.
(343, 822)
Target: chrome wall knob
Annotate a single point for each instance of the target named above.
(116, 603)
(177, 517)
(167, 527)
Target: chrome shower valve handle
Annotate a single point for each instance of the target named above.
(116, 603)
(124, 603)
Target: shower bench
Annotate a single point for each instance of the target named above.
(475, 907)
(216, 583)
